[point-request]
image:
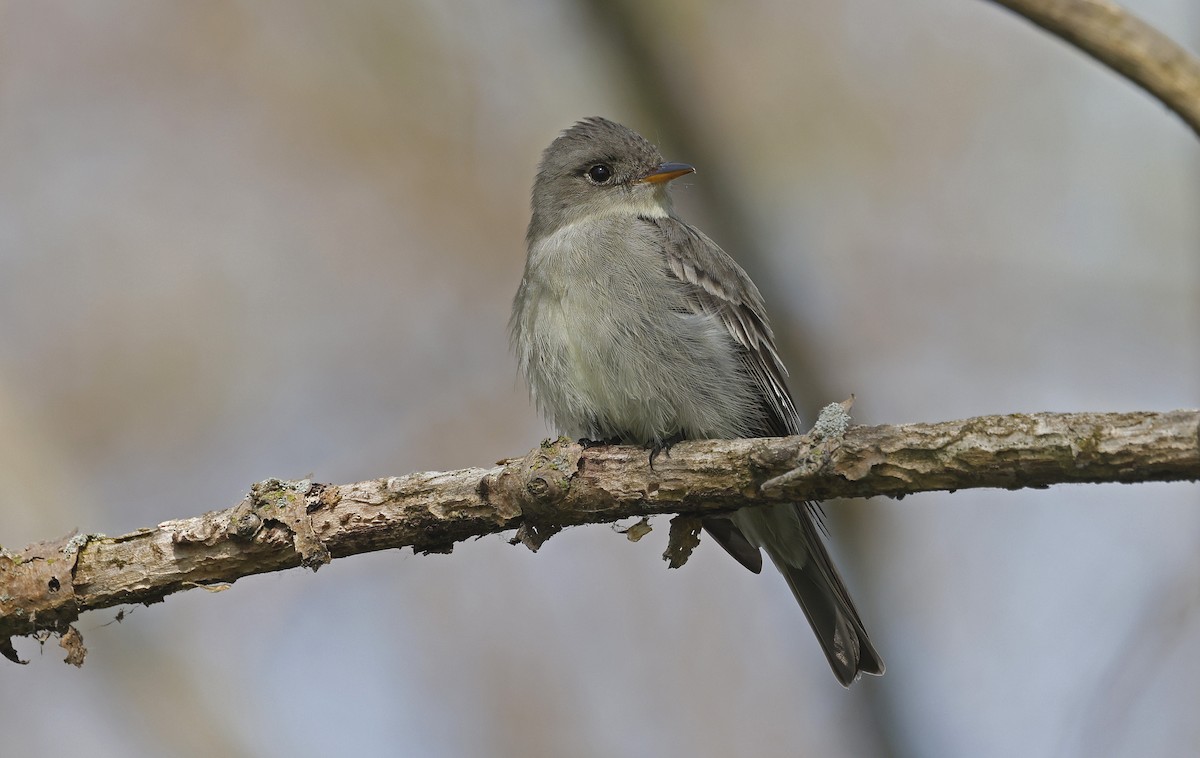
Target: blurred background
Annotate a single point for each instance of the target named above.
(252, 239)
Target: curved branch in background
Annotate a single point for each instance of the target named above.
(281, 525)
(1124, 43)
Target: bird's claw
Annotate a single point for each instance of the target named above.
(590, 443)
(663, 446)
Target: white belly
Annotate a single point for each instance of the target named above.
(634, 367)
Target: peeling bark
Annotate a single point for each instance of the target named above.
(285, 524)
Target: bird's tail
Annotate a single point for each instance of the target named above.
(790, 535)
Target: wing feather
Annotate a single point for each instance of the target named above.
(718, 285)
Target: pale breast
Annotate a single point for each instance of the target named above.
(612, 348)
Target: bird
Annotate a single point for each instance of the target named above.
(630, 325)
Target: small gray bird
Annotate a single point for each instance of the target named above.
(631, 325)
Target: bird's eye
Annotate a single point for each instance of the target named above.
(599, 173)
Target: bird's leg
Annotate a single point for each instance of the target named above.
(590, 443)
(663, 446)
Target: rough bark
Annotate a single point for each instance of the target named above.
(284, 524)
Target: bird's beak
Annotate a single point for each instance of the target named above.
(666, 172)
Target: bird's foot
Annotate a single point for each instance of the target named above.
(590, 443)
(663, 446)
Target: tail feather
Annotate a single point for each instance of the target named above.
(836, 624)
(794, 544)
(735, 543)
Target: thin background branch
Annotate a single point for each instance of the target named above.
(1124, 43)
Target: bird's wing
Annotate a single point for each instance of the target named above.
(718, 285)
(788, 531)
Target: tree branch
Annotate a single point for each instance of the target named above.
(284, 524)
(1124, 43)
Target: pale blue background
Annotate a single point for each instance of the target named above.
(253, 239)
